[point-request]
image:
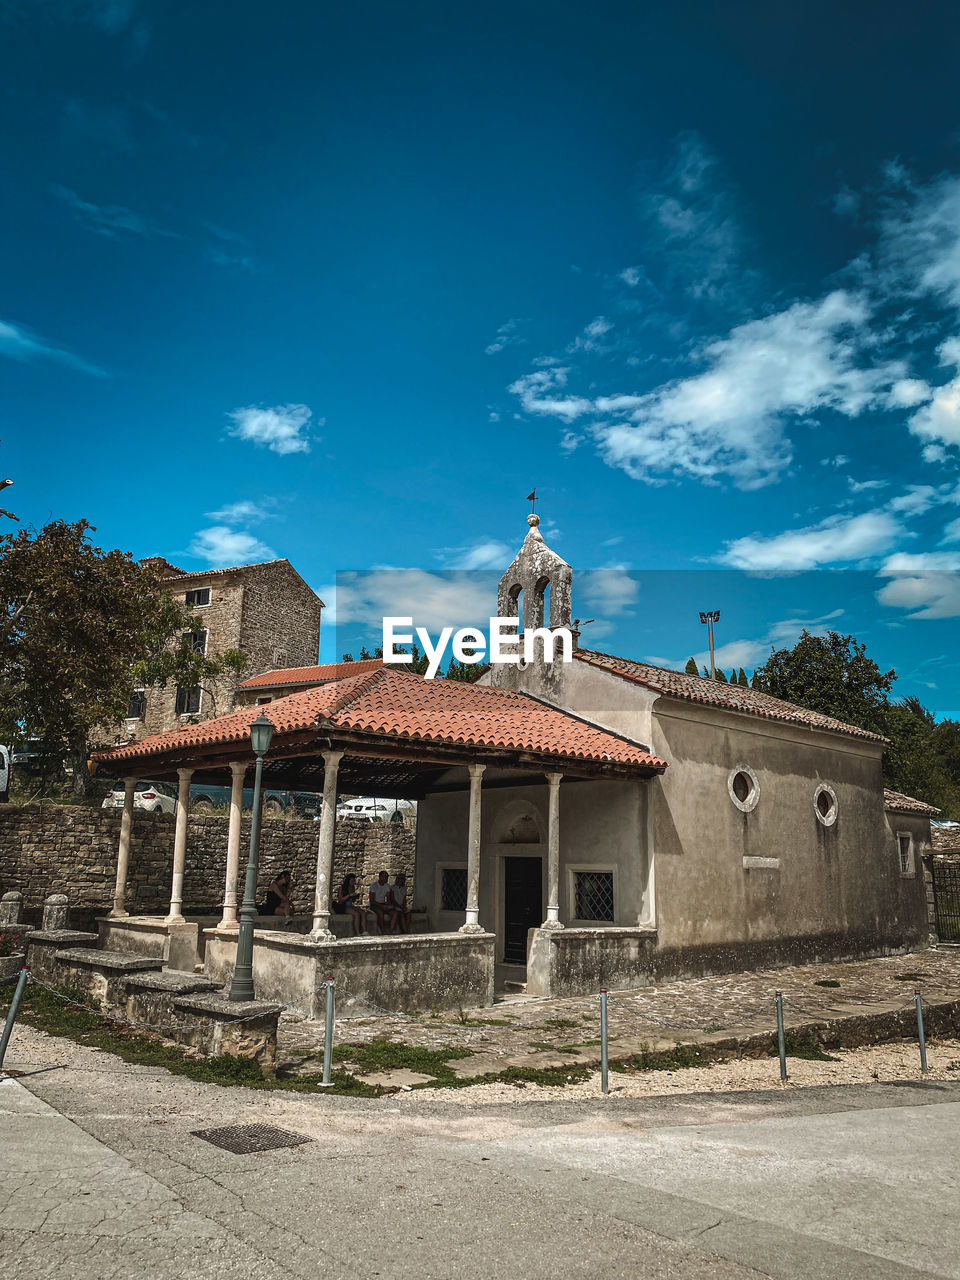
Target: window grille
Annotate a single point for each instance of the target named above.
(198, 597)
(453, 889)
(137, 705)
(903, 848)
(593, 895)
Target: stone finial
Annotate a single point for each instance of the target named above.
(11, 908)
(56, 912)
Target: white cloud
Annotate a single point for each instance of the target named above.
(591, 339)
(108, 219)
(728, 420)
(221, 546)
(19, 343)
(507, 336)
(863, 486)
(751, 653)
(836, 540)
(631, 276)
(921, 239)
(846, 202)
(433, 600)
(282, 429)
(939, 420)
(612, 591)
(534, 391)
(927, 584)
(486, 553)
(240, 512)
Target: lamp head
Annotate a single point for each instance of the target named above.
(261, 734)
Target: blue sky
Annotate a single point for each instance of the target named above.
(344, 285)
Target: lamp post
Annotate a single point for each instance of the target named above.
(241, 988)
(710, 618)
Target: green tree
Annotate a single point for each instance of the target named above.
(830, 674)
(691, 668)
(82, 628)
(720, 677)
(742, 679)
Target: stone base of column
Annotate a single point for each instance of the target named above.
(321, 935)
(116, 914)
(174, 920)
(229, 924)
(471, 928)
(551, 924)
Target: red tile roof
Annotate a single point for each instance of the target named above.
(396, 705)
(310, 675)
(900, 803)
(732, 697)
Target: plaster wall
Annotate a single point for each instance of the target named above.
(801, 880)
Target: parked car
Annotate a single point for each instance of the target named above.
(205, 798)
(32, 756)
(152, 796)
(372, 809)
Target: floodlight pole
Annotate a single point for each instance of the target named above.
(241, 986)
(710, 618)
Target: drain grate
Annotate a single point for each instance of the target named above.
(242, 1139)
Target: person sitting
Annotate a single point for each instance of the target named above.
(398, 894)
(381, 903)
(279, 902)
(345, 904)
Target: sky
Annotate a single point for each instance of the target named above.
(344, 284)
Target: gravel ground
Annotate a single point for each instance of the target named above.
(877, 1063)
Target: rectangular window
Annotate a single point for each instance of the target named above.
(593, 895)
(188, 701)
(905, 853)
(197, 598)
(199, 641)
(262, 702)
(453, 889)
(137, 705)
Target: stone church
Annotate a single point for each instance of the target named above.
(768, 839)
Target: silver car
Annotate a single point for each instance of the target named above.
(152, 796)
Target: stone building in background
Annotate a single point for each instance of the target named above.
(265, 610)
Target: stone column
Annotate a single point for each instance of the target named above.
(553, 852)
(11, 908)
(180, 847)
(229, 919)
(123, 856)
(472, 923)
(56, 913)
(328, 830)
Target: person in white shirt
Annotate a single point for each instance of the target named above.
(381, 903)
(398, 891)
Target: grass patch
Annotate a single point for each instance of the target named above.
(802, 1047)
(560, 1022)
(391, 1055)
(826, 982)
(541, 1046)
(465, 1021)
(909, 977)
(679, 1058)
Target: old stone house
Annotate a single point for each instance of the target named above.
(266, 610)
(260, 689)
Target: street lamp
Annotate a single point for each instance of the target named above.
(241, 988)
(710, 618)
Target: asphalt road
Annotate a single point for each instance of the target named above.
(101, 1176)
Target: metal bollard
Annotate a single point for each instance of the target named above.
(781, 1042)
(326, 1082)
(923, 1043)
(12, 1012)
(604, 1083)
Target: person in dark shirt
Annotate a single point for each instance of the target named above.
(345, 904)
(279, 902)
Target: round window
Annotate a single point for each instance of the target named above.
(825, 804)
(744, 788)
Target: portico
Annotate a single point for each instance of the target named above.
(392, 734)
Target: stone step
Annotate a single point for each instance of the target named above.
(514, 988)
(170, 982)
(107, 961)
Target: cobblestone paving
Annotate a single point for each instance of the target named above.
(522, 1031)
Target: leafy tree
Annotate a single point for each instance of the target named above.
(82, 628)
(742, 679)
(830, 674)
(691, 668)
(721, 678)
(466, 672)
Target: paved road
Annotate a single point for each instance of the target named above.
(101, 1177)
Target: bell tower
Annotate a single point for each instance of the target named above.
(536, 589)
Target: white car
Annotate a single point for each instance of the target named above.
(151, 796)
(372, 809)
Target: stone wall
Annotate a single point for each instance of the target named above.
(69, 849)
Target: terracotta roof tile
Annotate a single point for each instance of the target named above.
(732, 697)
(310, 675)
(392, 704)
(900, 803)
